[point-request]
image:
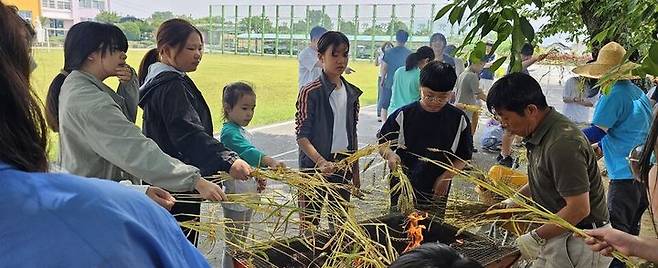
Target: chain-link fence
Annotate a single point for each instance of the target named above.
(283, 30)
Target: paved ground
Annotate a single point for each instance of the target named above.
(278, 140)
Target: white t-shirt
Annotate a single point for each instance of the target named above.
(310, 67)
(576, 112)
(380, 61)
(338, 102)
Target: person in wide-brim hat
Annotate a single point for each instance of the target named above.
(610, 61)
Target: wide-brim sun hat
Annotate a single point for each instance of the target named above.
(610, 61)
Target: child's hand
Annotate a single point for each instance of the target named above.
(262, 184)
(326, 167)
(124, 73)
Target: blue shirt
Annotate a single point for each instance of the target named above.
(61, 220)
(626, 112)
(486, 73)
(394, 58)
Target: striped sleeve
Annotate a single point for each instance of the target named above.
(305, 110)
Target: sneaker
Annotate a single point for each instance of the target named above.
(499, 157)
(507, 161)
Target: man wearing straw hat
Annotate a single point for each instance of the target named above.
(563, 176)
(621, 121)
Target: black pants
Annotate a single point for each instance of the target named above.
(424, 201)
(189, 209)
(627, 201)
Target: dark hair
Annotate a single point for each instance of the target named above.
(421, 53)
(434, 255)
(514, 92)
(23, 131)
(527, 49)
(402, 36)
(317, 31)
(81, 40)
(232, 93)
(438, 37)
(383, 47)
(438, 76)
(171, 33)
(450, 49)
(332, 38)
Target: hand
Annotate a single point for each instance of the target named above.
(240, 170)
(606, 240)
(326, 167)
(441, 187)
(209, 190)
(597, 150)
(349, 70)
(393, 160)
(278, 164)
(262, 183)
(160, 196)
(528, 246)
(124, 73)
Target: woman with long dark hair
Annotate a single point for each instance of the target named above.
(60, 219)
(98, 137)
(176, 116)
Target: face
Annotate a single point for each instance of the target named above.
(433, 101)
(111, 61)
(477, 67)
(519, 125)
(188, 57)
(437, 46)
(243, 111)
(334, 60)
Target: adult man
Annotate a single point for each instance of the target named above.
(563, 176)
(438, 43)
(394, 58)
(621, 121)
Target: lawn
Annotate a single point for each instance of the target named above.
(274, 79)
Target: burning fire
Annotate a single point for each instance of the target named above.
(415, 231)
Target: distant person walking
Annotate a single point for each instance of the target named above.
(393, 59)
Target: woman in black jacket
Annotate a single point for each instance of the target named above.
(176, 116)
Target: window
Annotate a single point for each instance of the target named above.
(64, 4)
(48, 3)
(95, 4)
(55, 23)
(26, 15)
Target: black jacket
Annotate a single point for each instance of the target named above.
(177, 118)
(315, 119)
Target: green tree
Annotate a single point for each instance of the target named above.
(258, 24)
(378, 29)
(316, 17)
(159, 17)
(423, 29)
(348, 27)
(131, 30)
(396, 25)
(108, 17)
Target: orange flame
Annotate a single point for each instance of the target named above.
(415, 231)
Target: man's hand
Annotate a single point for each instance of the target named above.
(528, 246)
(240, 170)
(597, 150)
(393, 160)
(326, 168)
(160, 196)
(209, 190)
(606, 240)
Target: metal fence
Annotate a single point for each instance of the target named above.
(282, 30)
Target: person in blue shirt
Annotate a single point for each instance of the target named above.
(393, 59)
(620, 122)
(61, 220)
(239, 100)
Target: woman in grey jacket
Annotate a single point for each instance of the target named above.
(98, 137)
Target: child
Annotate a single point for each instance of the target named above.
(405, 81)
(409, 130)
(469, 92)
(326, 117)
(239, 102)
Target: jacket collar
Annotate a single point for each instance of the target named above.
(328, 86)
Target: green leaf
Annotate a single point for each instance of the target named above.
(509, 14)
(461, 13)
(650, 63)
(472, 3)
(443, 11)
(538, 3)
(600, 36)
(527, 29)
(483, 18)
(496, 64)
(489, 25)
(478, 53)
(454, 15)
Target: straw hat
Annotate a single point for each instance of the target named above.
(609, 61)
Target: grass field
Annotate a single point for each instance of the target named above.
(274, 79)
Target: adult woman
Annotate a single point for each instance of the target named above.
(97, 138)
(60, 219)
(378, 62)
(176, 116)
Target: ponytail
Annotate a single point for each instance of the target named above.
(149, 58)
(411, 62)
(52, 101)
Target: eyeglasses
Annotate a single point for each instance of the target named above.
(436, 98)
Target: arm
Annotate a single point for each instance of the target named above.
(442, 182)
(389, 133)
(188, 134)
(129, 90)
(233, 140)
(482, 96)
(463, 152)
(606, 240)
(384, 72)
(527, 63)
(575, 210)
